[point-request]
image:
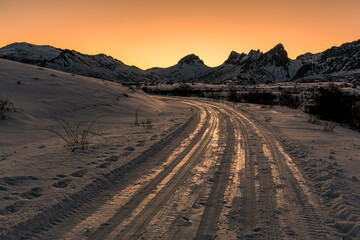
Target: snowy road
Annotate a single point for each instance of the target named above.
(223, 176)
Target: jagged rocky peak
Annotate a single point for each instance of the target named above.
(190, 59)
(254, 53)
(278, 47)
(278, 55)
(235, 58)
(278, 50)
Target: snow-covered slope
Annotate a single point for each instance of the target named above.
(36, 171)
(100, 66)
(334, 60)
(39, 93)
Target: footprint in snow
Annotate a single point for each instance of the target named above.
(104, 165)
(112, 159)
(129, 149)
(79, 174)
(12, 208)
(16, 180)
(126, 154)
(141, 143)
(154, 137)
(10, 198)
(91, 163)
(32, 193)
(62, 184)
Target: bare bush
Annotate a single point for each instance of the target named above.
(290, 100)
(76, 135)
(333, 104)
(259, 97)
(328, 127)
(313, 119)
(355, 118)
(5, 106)
(147, 123)
(136, 123)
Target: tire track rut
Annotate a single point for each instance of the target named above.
(207, 227)
(135, 227)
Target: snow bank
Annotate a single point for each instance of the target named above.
(38, 176)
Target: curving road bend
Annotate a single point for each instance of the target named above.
(223, 177)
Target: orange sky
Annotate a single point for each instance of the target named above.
(159, 32)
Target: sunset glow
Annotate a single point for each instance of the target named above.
(159, 33)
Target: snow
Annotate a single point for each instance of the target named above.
(330, 161)
(294, 66)
(259, 67)
(29, 52)
(182, 71)
(36, 170)
(100, 65)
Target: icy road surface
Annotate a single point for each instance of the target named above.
(223, 176)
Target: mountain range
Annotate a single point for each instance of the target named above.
(251, 68)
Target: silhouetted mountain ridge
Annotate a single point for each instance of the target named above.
(253, 67)
(191, 59)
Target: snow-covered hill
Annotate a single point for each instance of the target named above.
(252, 68)
(100, 66)
(189, 68)
(36, 171)
(334, 60)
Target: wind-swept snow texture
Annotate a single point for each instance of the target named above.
(37, 172)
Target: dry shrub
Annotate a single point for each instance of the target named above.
(328, 127)
(313, 119)
(77, 134)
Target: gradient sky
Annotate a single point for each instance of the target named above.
(159, 32)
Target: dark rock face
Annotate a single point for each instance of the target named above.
(256, 66)
(190, 59)
(235, 58)
(336, 59)
(277, 56)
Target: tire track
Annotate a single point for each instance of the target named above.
(265, 225)
(134, 228)
(65, 219)
(303, 220)
(272, 200)
(253, 212)
(209, 219)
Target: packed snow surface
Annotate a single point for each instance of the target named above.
(36, 170)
